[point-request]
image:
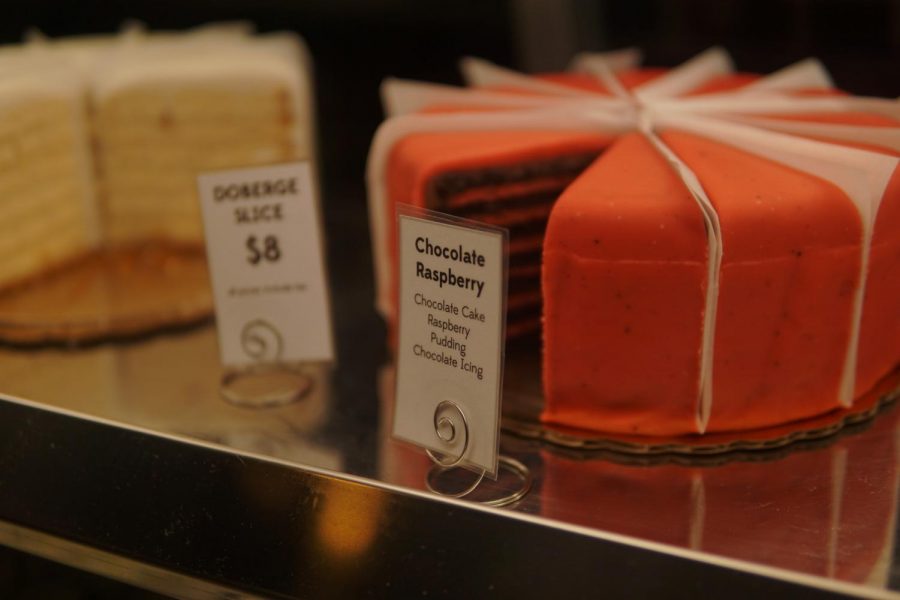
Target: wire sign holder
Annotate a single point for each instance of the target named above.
(447, 432)
(263, 244)
(268, 382)
(451, 342)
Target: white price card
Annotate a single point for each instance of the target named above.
(264, 246)
(452, 296)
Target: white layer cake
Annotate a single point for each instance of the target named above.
(101, 138)
(165, 112)
(47, 203)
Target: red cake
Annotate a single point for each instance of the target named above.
(702, 250)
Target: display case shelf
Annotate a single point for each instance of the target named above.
(125, 461)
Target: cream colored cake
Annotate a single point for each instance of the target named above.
(46, 198)
(165, 112)
(101, 138)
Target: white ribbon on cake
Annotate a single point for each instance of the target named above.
(740, 118)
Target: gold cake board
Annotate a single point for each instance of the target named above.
(523, 401)
(109, 294)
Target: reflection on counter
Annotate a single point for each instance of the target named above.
(83, 381)
(826, 511)
(349, 523)
(824, 508)
(401, 464)
(171, 384)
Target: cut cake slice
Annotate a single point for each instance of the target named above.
(101, 137)
(165, 112)
(45, 169)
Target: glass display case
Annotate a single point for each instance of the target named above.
(121, 457)
(149, 477)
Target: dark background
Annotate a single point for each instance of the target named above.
(355, 44)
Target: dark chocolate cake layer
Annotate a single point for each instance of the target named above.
(519, 198)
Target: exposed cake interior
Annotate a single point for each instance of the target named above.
(153, 141)
(161, 116)
(44, 171)
(508, 179)
(101, 138)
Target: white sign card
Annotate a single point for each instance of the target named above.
(452, 301)
(264, 246)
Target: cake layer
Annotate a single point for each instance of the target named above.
(519, 200)
(165, 112)
(102, 138)
(44, 193)
(152, 142)
(508, 179)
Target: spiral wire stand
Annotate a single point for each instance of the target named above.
(264, 344)
(446, 431)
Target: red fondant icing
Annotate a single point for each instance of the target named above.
(791, 264)
(625, 271)
(624, 281)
